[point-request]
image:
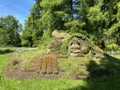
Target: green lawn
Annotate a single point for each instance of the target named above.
(103, 83)
(3, 58)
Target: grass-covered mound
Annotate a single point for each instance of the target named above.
(108, 82)
(34, 64)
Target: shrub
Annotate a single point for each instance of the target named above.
(45, 39)
(6, 51)
(64, 47)
(13, 62)
(106, 66)
(112, 46)
(74, 67)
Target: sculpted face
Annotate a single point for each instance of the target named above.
(78, 47)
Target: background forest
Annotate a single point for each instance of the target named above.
(99, 20)
(96, 23)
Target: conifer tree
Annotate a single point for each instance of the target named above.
(98, 19)
(9, 31)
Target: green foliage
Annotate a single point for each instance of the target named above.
(44, 41)
(97, 19)
(12, 62)
(64, 47)
(74, 67)
(3, 58)
(5, 51)
(112, 47)
(89, 67)
(32, 32)
(9, 31)
(107, 66)
(81, 35)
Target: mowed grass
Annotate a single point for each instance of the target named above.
(102, 83)
(3, 58)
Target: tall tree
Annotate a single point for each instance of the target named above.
(51, 16)
(99, 19)
(32, 32)
(9, 31)
(111, 11)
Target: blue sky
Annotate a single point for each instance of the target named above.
(20, 9)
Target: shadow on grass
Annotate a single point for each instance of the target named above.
(102, 76)
(6, 51)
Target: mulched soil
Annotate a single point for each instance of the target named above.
(19, 74)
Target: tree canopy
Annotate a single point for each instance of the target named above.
(9, 31)
(98, 20)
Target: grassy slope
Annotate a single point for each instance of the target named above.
(104, 83)
(35, 84)
(3, 58)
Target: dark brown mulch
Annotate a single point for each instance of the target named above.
(20, 75)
